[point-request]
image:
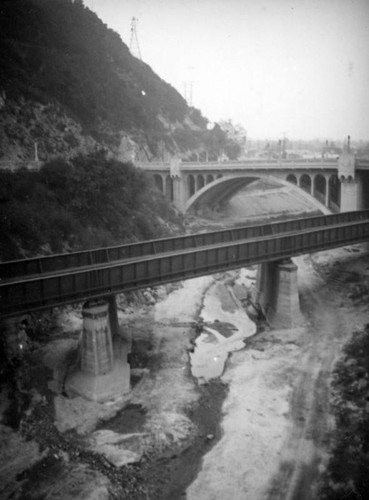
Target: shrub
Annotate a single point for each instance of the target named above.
(87, 202)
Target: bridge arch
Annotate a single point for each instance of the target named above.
(209, 178)
(305, 183)
(320, 188)
(169, 191)
(191, 185)
(334, 190)
(158, 180)
(200, 182)
(292, 179)
(224, 187)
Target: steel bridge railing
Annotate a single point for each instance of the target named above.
(68, 261)
(32, 293)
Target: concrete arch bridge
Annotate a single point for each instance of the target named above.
(330, 185)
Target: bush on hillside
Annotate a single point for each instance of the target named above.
(87, 202)
(347, 472)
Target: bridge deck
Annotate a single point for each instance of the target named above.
(68, 261)
(32, 293)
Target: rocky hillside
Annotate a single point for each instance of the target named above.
(69, 84)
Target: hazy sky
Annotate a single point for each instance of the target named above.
(293, 67)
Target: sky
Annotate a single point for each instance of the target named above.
(293, 68)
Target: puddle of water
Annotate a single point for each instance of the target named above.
(207, 361)
(224, 331)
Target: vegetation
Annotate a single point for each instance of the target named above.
(63, 50)
(60, 51)
(88, 202)
(348, 467)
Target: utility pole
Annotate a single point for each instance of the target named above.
(134, 46)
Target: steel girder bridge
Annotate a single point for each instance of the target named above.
(33, 284)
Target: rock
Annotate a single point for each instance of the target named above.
(80, 414)
(118, 449)
(149, 298)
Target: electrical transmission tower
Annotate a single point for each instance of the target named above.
(134, 46)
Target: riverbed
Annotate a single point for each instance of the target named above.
(253, 423)
(277, 424)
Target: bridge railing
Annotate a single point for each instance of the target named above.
(249, 163)
(85, 258)
(272, 161)
(41, 292)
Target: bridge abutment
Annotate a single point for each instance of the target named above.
(104, 372)
(277, 293)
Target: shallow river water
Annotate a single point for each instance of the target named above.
(225, 327)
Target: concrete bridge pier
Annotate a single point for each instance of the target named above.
(104, 372)
(277, 294)
(180, 194)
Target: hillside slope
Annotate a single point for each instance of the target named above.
(70, 84)
(88, 201)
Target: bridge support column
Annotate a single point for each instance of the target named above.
(277, 293)
(104, 372)
(179, 193)
(263, 288)
(326, 196)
